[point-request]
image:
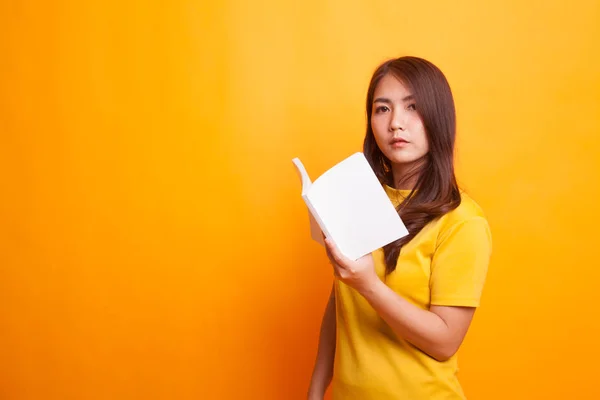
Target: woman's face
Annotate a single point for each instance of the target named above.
(396, 125)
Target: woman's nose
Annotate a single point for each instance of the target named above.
(397, 122)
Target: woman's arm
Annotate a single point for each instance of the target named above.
(438, 332)
(323, 369)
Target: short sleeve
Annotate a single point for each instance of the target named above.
(460, 263)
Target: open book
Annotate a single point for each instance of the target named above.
(348, 204)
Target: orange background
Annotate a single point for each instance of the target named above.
(153, 243)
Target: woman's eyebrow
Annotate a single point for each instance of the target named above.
(388, 101)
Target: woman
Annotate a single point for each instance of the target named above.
(396, 318)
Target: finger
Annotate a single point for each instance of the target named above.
(329, 256)
(329, 249)
(336, 255)
(336, 271)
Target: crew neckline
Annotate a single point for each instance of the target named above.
(402, 192)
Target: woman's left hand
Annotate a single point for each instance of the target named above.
(359, 274)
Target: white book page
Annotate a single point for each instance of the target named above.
(315, 230)
(355, 208)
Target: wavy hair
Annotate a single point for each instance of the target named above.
(436, 191)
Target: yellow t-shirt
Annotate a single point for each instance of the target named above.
(444, 264)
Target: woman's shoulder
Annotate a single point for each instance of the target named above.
(468, 210)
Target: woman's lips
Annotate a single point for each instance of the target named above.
(399, 142)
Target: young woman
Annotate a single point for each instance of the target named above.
(396, 318)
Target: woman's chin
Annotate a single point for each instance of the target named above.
(406, 161)
(400, 159)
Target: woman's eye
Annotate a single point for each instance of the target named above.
(381, 109)
(412, 106)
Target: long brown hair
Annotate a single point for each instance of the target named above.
(436, 191)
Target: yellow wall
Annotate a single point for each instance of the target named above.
(153, 243)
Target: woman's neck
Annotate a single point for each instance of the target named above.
(405, 176)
